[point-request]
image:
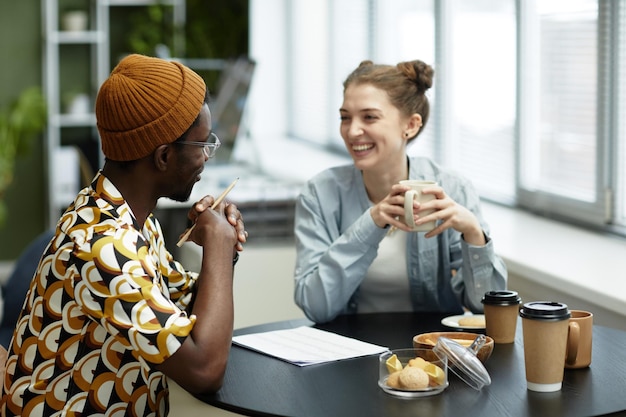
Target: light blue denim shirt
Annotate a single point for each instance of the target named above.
(337, 240)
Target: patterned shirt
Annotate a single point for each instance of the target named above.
(107, 302)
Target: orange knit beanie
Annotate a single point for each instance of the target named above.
(146, 102)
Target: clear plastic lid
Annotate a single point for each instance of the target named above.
(463, 361)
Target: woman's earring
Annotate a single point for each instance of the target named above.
(406, 135)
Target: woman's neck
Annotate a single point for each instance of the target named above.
(378, 182)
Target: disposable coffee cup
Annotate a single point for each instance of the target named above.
(415, 193)
(501, 312)
(545, 326)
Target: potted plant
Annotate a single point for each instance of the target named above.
(153, 31)
(19, 123)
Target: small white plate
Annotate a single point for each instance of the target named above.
(453, 321)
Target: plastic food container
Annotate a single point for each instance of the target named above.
(435, 368)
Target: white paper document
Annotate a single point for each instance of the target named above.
(307, 346)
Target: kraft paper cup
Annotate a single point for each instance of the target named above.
(501, 312)
(415, 193)
(545, 326)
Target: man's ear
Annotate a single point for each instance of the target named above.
(162, 156)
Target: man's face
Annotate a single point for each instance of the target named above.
(191, 159)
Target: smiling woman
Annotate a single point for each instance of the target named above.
(347, 262)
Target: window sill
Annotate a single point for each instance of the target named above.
(568, 260)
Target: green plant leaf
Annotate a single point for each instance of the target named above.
(19, 123)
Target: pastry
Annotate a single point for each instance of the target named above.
(472, 321)
(412, 377)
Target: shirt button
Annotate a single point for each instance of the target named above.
(476, 257)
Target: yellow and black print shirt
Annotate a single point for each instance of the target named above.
(107, 302)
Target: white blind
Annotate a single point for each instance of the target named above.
(566, 151)
(481, 69)
(561, 139)
(308, 72)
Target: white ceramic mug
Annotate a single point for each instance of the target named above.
(415, 193)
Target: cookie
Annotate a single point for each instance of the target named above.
(412, 377)
(394, 380)
(472, 321)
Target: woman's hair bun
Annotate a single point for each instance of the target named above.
(419, 72)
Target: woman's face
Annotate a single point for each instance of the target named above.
(371, 127)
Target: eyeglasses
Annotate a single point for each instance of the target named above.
(210, 147)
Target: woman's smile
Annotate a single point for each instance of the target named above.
(362, 147)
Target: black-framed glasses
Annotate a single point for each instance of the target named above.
(210, 147)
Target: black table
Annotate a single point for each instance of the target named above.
(259, 385)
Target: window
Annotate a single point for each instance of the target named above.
(529, 99)
(477, 114)
(413, 38)
(560, 135)
(309, 64)
(326, 39)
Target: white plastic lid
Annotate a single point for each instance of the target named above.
(463, 361)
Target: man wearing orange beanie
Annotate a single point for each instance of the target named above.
(109, 314)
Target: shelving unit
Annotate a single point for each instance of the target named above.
(66, 52)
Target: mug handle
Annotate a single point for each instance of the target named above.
(409, 197)
(573, 338)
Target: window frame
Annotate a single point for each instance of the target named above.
(607, 213)
(599, 212)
